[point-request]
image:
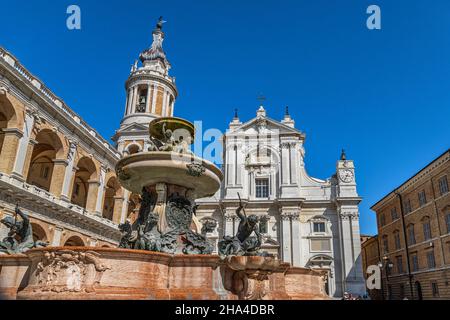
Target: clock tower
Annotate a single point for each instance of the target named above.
(347, 201)
(151, 93)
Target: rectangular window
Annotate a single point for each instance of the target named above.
(382, 220)
(443, 185)
(385, 244)
(262, 188)
(397, 240)
(319, 227)
(435, 289)
(394, 214)
(411, 235)
(320, 245)
(407, 206)
(447, 221)
(422, 198)
(415, 262)
(399, 264)
(431, 260)
(427, 230)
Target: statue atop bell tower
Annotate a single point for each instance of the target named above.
(151, 94)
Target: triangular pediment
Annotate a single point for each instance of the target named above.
(134, 127)
(264, 125)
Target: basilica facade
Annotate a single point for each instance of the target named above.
(305, 221)
(61, 172)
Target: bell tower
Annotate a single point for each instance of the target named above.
(151, 94)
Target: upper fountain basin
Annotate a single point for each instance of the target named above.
(149, 168)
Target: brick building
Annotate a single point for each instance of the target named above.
(414, 235)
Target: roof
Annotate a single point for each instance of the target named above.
(410, 179)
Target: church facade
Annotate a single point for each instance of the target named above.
(61, 172)
(305, 221)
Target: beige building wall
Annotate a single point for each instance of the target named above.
(426, 216)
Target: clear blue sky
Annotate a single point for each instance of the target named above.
(383, 95)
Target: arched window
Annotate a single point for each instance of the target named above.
(74, 241)
(112, 192)
(39, 233)
(48, 148)
(86, 173)
(8, 119)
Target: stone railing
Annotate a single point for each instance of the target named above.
(72, 209)
(49, 95)
(143, 71)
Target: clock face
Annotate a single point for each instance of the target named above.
(346, 175)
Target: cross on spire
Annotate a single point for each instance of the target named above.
(261, 98)
(236, 116)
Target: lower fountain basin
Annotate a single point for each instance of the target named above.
(149, 168)
(82, 273)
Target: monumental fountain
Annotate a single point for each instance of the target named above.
(165, 253)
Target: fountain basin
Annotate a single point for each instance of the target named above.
(149, 168)
(83, 273)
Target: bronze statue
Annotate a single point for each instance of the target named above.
(243, 244)
(20, 235)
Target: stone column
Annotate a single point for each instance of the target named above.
(286, 238)
(346, 247)
(101, 192)
(285, 172)
(239, 164)
(148, 104)
(293, 163)
(9, 150)
(118, 203)
(23, 145)
(28, 158)
(164, 105)
(155, 95)
(68, 177)
(91, 201)
(58, 176)
(296, 241)
(126, 197)
(128, 102)
(134, 100)
(57, 234)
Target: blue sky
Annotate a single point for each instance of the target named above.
(382, 95)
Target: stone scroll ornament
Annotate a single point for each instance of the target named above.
(143, 234)
(243, 243)
(20, 235)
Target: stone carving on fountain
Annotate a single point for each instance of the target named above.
(166, 221)
(69, 271)
(20, 235)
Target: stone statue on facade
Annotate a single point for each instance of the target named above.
(243, 244)
(20, 235)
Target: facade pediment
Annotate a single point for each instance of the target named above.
(264, 125)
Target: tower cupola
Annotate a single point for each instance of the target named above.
(151, 92)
